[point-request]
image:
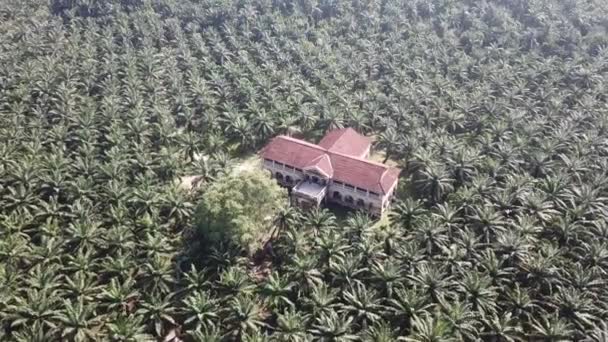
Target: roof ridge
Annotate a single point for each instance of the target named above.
(319, 158)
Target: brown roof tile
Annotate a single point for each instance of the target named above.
(346, 141)
(322, 164)
(355, 171)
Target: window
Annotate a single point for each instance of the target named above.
(360, 203)
(279, 176)
(337, 195)
(315, 179)
(349, 199)
(288, 179)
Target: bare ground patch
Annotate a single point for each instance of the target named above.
(239, 165)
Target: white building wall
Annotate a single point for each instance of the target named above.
(356, 195)
(379, 203)
(284, 170)
(386, 199)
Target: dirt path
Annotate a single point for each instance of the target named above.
(239, 165)
(248, 163)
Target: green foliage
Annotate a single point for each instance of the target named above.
(240, 209)
(494, 109)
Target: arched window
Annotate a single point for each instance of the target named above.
(279, 176)
(337, 195)
(315, 179)
(288, 179)
(360, 203)
(348, 199)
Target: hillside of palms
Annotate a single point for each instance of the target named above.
(496, 110)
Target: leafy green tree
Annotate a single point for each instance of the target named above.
(239, 209)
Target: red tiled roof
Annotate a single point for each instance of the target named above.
(293, 152)
(346, 141)
(355, 171)
(322, 164)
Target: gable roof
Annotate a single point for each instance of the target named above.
(348, 169)
(322, 164)
(346, 141)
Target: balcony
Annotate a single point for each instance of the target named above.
(310, 190)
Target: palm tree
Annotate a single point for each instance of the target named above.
(428, 328)
(599, 332)
(244, 316)
(332, 119)
(234, 281)
(38, 307)
(277, 291)
(503, 328)
(286, 217)
(551, 328)
(479, 293)
(430, 235)
(262, 123)
(433, 182)
(78, 321)
(119, 295)
(487, 221)
(319, 220)
(332, 247)
(446, 215)
(386, 275)
(408, 303)
(307, 119)
(363, 304)
(432, 280)
(407, 212)
(330, 326)
(576, 307)
(345, 269)
(463, 320)
(291, 326)
(321, 299)
(161, 312)
(128, 328)
(34, 333)
(211, 334)
(200, 311)
(358, 226)
(388, 140)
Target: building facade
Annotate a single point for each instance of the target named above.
(335, 170)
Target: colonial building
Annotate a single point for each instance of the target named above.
(335, 170)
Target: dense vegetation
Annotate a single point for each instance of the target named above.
(495, 109)
(240, 209)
